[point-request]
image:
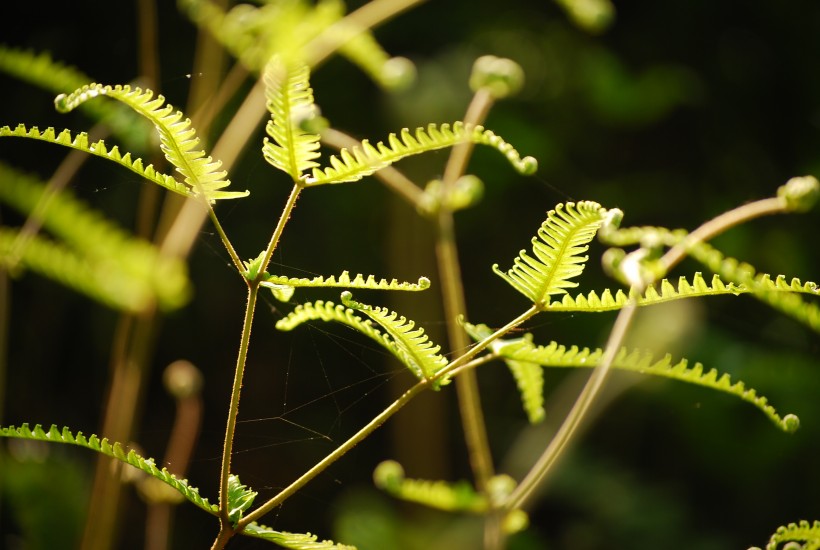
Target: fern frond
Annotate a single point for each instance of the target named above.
(408, 346)
(294, 541)
(556, 355)
(781, 293)
(557, 249)
(97, 258)
(804, 532)
(290, 102)
(415, 348)
(365, 159)
(345, 281)
(100, 149)
(41, 70)
(178, 139)
(452, 497)
(607, 301)
(113, 450)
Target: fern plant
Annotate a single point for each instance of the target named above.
(280, 43)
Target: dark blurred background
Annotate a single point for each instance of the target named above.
(674, 113)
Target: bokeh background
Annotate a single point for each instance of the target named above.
(674, 113)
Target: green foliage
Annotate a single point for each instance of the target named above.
(94, 256)
(240, 498)
(557, 250)
(365, 159)
(283, 287)
(290, 102)
(794, 533)
(177, 138)
(294, 541)
(408, 344)
(112, 450)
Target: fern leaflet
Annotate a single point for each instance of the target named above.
(100, 149)
(294, 541)
(113, 450)
(452, 497)
(365, 159)
(556, 355)
(805, 532)
(290, 102)
(177, 138)
(283, 286)
(409, 346)
(557, 250)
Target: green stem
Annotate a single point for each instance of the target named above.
(233, 410)
(559, 443)
(225, 241)
(452, 289)
(280, 227)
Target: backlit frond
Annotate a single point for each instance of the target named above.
(805, 533)
(113, 450)
(453, 497)
(294, 541)
(557, 252)
(177, 138)
(290, 102)
(100, 149)
(278, 282)
(415, 349)
(556, 355)
(365, 159)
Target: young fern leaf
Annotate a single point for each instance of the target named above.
(240, 498)
(781, 293)
(443, 495)
(290, 102)
(284, 286)
(415, 349)
(97, 258)
(410, 347)
(606, 301)
(294, 541)
(113, 450)
(178, 139)
(365, 159)
(100, 149)
(803, 532)
(557, 252)
(555, 355)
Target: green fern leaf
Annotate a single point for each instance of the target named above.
(803, 532)
(113, 450)
(97, 148)
(284, 286)
(555, 355)
(409, 346)
(415, 349)
(290, 102)
(358, 162)
(178, 139)
(557, 249)
(294, 541)
(240, 498)
(664, 291)
(452, 497)
(781, 293)
(95, 256)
